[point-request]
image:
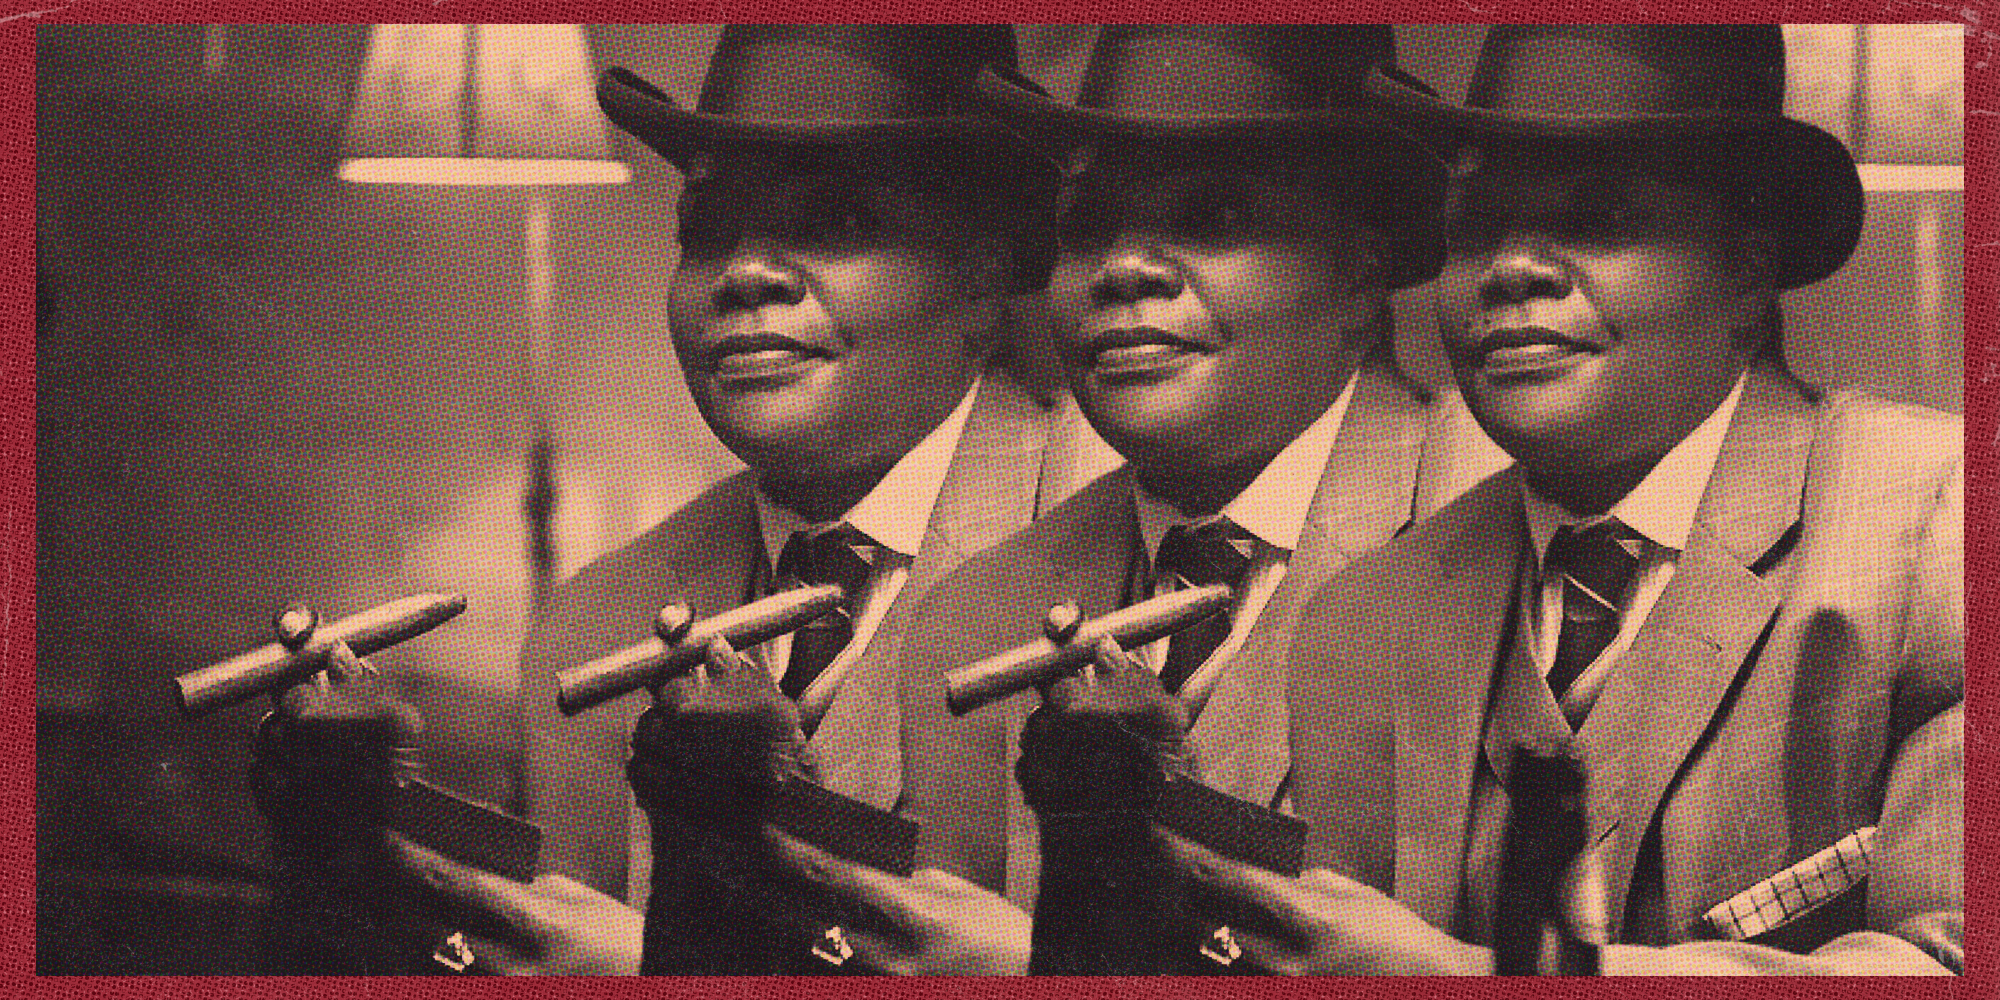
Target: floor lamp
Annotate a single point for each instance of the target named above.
(490, 105)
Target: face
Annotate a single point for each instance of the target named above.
(1208, 310)
(1594, 316)
(827, 315)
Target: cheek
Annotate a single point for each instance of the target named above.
(906, 314)
(874, 296)
(1275, 296)
(1455, 296)
(688, 297)
(1662, 305)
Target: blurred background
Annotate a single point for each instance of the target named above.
(259, 383)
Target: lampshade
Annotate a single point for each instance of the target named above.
(477, 104)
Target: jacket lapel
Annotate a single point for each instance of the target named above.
(715, 570)
(1441, 702)
(989, 490)
(1687, 655)
(988, 493)
(1240, 737)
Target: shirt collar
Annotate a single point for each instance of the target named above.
(1273, 507)
(897, 512)
(1663, 506)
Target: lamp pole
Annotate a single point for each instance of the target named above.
(538, 502)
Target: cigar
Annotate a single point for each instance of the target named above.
(655, 660)
(274, 666)
(1044, 660)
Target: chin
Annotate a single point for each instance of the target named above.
(1150, 415)
(1180, 446)
(772, 434)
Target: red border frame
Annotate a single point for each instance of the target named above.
(17, 500)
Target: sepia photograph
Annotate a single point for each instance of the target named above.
(984, 499)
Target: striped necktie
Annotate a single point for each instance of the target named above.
(1210, 551)
(1596, 566)
(839, 555)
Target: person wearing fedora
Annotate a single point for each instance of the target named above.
(854, 227)
(1237, 215)
(1735, 601)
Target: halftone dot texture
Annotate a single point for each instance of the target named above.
(1872, 341)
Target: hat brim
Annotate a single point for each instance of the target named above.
(1037, 114)
(1057, 129)
(677, 133)
(1825, 209)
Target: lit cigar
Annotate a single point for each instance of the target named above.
(653, 661)
(1045, 660)
(271, 667)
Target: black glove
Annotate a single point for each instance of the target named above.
(1095, 759)
(1105, 741)
(707, 759)
(323, 775)
(710, 752)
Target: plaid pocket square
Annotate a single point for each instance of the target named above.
(1794, 892)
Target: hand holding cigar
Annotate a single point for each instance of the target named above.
(1068, 644)
(304, 650)
(681, 643)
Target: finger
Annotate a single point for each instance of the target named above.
(943, 882)
(885, 892)
(342, 665)
(1273, 893)
(1065, 693)
(1333, 883)
(295, 626)
(722, 659)
(468, 892)
(1111, 659)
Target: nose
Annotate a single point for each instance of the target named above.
(754, 278)
(1523, 268)
(1135, 273)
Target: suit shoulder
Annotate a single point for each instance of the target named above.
(1889, 431)
(1087, 513)
(1083, 521)
(1875, 454)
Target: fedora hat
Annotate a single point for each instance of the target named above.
(1177, 83)
(844, 84)
(1719, 88)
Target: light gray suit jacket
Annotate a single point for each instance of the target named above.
(703, 554)
(1801, 677)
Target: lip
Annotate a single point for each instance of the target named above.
(1140, 353)
(1528, 352)
(761, 357)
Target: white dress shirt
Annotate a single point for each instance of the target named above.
(1662, 509)
(1272, 509)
